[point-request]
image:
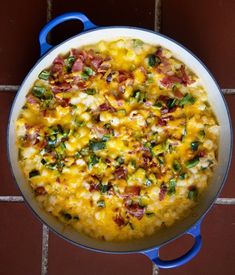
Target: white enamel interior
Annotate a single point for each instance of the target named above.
(215, 99)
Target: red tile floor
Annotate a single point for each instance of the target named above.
(205, 27)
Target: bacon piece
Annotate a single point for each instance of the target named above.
(201, 154)
(40, 191)
(106, 107)
(132, 191)
(58, 65)
(164, 98)
(136, 211)
(61, 87)
(184, 76)
(120, 173)
(77, 65)
(164, 110)
(161, 122)
(99, 131)
(123, 76)
(96, 62)
(32, 99)
(93, 187)
(119, 220)
(178, 94)
(170, 80)
(163, 191)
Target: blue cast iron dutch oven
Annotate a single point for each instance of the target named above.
(150, 245)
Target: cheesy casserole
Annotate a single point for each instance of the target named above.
(117, 139)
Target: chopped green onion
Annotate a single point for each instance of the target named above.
(34, 173)
(133, 163)
(101, 203)
(157, 105)
(160, 159)
(92, 161)
(176, 166)
(77, 155)
(153, 60)
(84, 151)
(138, 42)
(139, 96)
(88, 71)
(172, 103)
(191, 163)
(182, 176)
(97, 145)
(69, 62)
(105, 137)
(119, 160)
(172, 185)
(38, 91)
(194, 145)
(103, 188)
(84, 76)
(192, 194)
(44, 75)
(90, 91)
(187, 99)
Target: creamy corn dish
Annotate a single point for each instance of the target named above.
(117, 139)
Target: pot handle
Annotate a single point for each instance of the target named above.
(87, 25)
(195, 232)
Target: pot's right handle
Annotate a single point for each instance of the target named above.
(154, 253)
(87, 24)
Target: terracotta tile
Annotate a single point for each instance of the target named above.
(206, 28)
(65, 258)
(229, 190)
(218, 249)
(7, 186)
(110, 12)
(20, 23)
(20, 240)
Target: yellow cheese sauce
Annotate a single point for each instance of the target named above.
(117, 139)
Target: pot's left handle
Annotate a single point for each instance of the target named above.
(154, 253)
(87, 24)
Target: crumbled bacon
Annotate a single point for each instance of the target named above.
(119, 220)
(77, 65)
(123, 76)
(120, 173)
(161, 122)
(201, 154)
(178, 94)
(40, 191)
(96, 62)
(106, 107)
(61, 87)
(135, 210)
(58, 65)
(163, 191)
(94, 187)
(169, 81)
(32, 99)
(132, 191)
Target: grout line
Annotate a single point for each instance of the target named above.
(11, 199)
(49, 17)
(157, 15)
(49, 10)
(45, 238)
(9, 88)
(228, 91)
(225, 201)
